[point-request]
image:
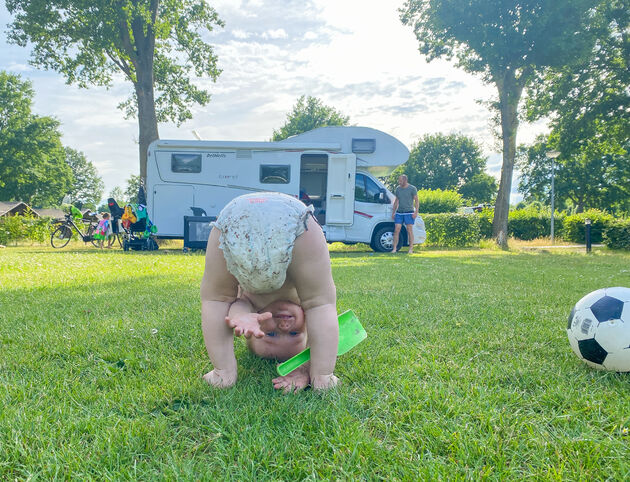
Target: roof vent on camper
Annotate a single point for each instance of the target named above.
(363, 146)
(243, 154)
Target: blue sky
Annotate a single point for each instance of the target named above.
(355, 55)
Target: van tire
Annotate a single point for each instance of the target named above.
(383, 237)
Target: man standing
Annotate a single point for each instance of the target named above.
(405, 210)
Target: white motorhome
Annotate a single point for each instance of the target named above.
(333, 168)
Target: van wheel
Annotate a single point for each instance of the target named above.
(383, 239)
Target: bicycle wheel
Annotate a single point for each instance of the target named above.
(115, 239)
(90, 232)
(61, 236)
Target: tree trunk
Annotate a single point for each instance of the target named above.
(510, 90)
(144, 42)
(580, 206)
(147, 120)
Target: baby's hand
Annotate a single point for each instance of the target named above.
(295, 381)
(220, 378)
(324, 382)
(248, 324)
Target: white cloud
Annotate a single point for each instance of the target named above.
(240, 34)
(275, 34)
(18, 68)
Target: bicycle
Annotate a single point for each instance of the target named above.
(62, 235)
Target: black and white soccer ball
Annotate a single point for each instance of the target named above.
(599, 329)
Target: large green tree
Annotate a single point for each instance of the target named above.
(480, 189)
(87, 186)
(132, 188)
(307, 114)
(506, 43)
(32, 166)
(119, 195)
(589, 107)
(448, 162)
(593, 177)
(157, 45)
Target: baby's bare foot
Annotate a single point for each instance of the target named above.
(220, 378)
(294, 382)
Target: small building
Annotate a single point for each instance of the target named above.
(19, 208)
(56, 214)
(13, 208)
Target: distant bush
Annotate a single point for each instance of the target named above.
(27, 227)
(617, 234)
(527, 223)
(451, 230)
(38, 229)
(574, 229)
(434, 201)
(12, 229)
(485, 218)
(531, 223)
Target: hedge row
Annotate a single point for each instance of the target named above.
(617, 234)
(530, 224)
(524, 224)
(574, 226)
(459, 230)
(451, 230)
(433, 201)
(21, 228)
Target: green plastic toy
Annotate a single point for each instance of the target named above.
(76, 214)
(351, 333)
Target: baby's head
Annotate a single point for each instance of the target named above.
(285, 332)
(105, 215)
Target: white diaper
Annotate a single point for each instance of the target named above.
(258, 232)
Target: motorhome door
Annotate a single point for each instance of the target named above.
(171, 202)
(340, 191)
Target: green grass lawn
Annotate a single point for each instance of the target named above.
(466, 373)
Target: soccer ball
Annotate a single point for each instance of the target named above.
(599, 329)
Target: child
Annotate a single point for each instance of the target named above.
(103, 229)
(268, 245)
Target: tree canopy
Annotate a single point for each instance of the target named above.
(506, 43)
(589, 107)
(87, 186)
(32, 159)
(591, 98)
(591, 178)
(118, 194)
(157, 45)
(307, 114)
(130, 194)
(448, 162)
(480, 189)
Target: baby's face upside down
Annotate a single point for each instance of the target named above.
(285, 332)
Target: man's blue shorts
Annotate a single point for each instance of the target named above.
(406, 218)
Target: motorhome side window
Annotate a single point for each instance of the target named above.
(363, 146)
(275, 174)
(188, 163)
